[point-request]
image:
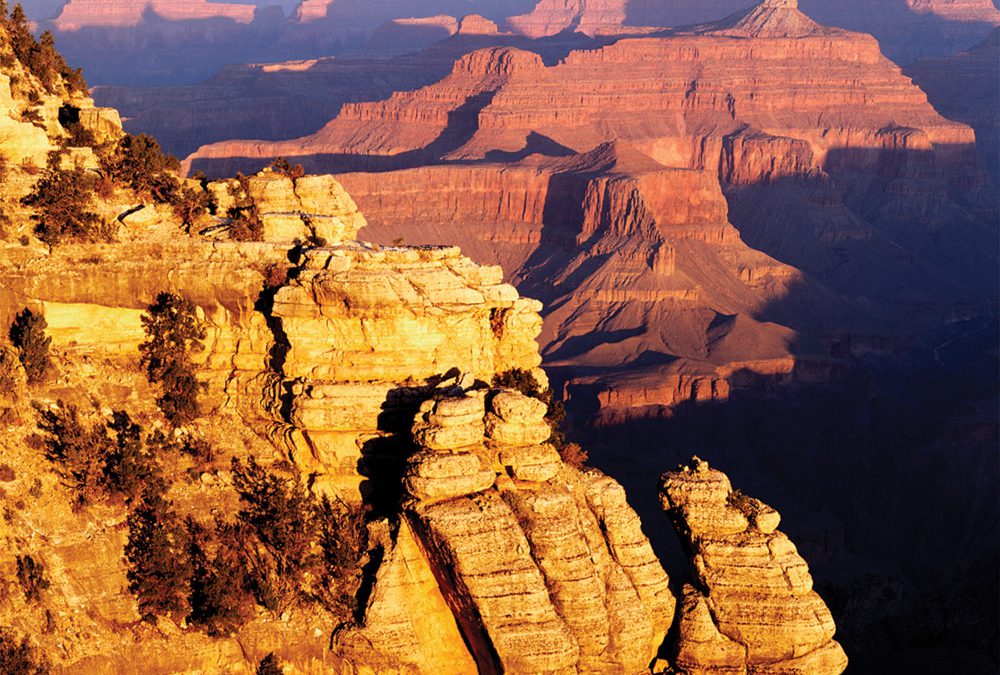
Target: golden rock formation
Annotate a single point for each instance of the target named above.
(544, 565)
(751, 607)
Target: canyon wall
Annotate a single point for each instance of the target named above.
(609, 183)
(368, 369)
(943, 26)
(78, 14)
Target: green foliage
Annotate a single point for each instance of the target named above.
(61, 200)
(32, 577)
(245, 223)
(139, 163)
(270, 665)
(80, 136)
(574, 455)
(109, 459)
(19, 657)
(190, 204)
(282, 166)
(343, 542)
(21, 39)
(27, 334)
(41, 57)
(520, 380)
(129, 469)
(179, 401)
(159, 571)
(76, 450)
(279, 516)
(173, 332)
(295, 546)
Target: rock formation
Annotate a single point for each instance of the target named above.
(544, 565)
(943, 26)
(750, 606)
(606, 179)
(914, 28)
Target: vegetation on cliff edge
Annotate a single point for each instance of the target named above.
(173, 333)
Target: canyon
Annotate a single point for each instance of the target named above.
(942, 25)
(646, 191)
(755, 238)
(796, 251)
(170, 43)
(370, 370)
(965, 87)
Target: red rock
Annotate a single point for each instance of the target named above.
(941, 25)
(78, 14)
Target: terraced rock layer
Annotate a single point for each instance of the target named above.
(609, 181)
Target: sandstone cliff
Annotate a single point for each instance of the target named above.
(368, 369)
(326, 368)
(942, 26)
(78, 14)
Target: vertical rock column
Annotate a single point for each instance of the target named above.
(750, 607)
(544, 566)
(602, 576)
(492, 583)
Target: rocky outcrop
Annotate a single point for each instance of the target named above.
(545, 566)
(307, 208)
(613, 233)
(371, 332)
(943, 26)
(915, 28)
(750, 607)
(613, 238)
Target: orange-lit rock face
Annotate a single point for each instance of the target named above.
(546, 565)
(750, 606)
(942, 25)
(774, 70)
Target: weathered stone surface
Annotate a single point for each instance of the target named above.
(702, 649)
(536, 463)
(756, 611)
(308, 207)
(546, 551)
(78, 14)
(407, 615)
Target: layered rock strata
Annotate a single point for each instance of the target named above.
(942, 25)
(545, 566)
(750, 606)
(966, 87)
(804, 137)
